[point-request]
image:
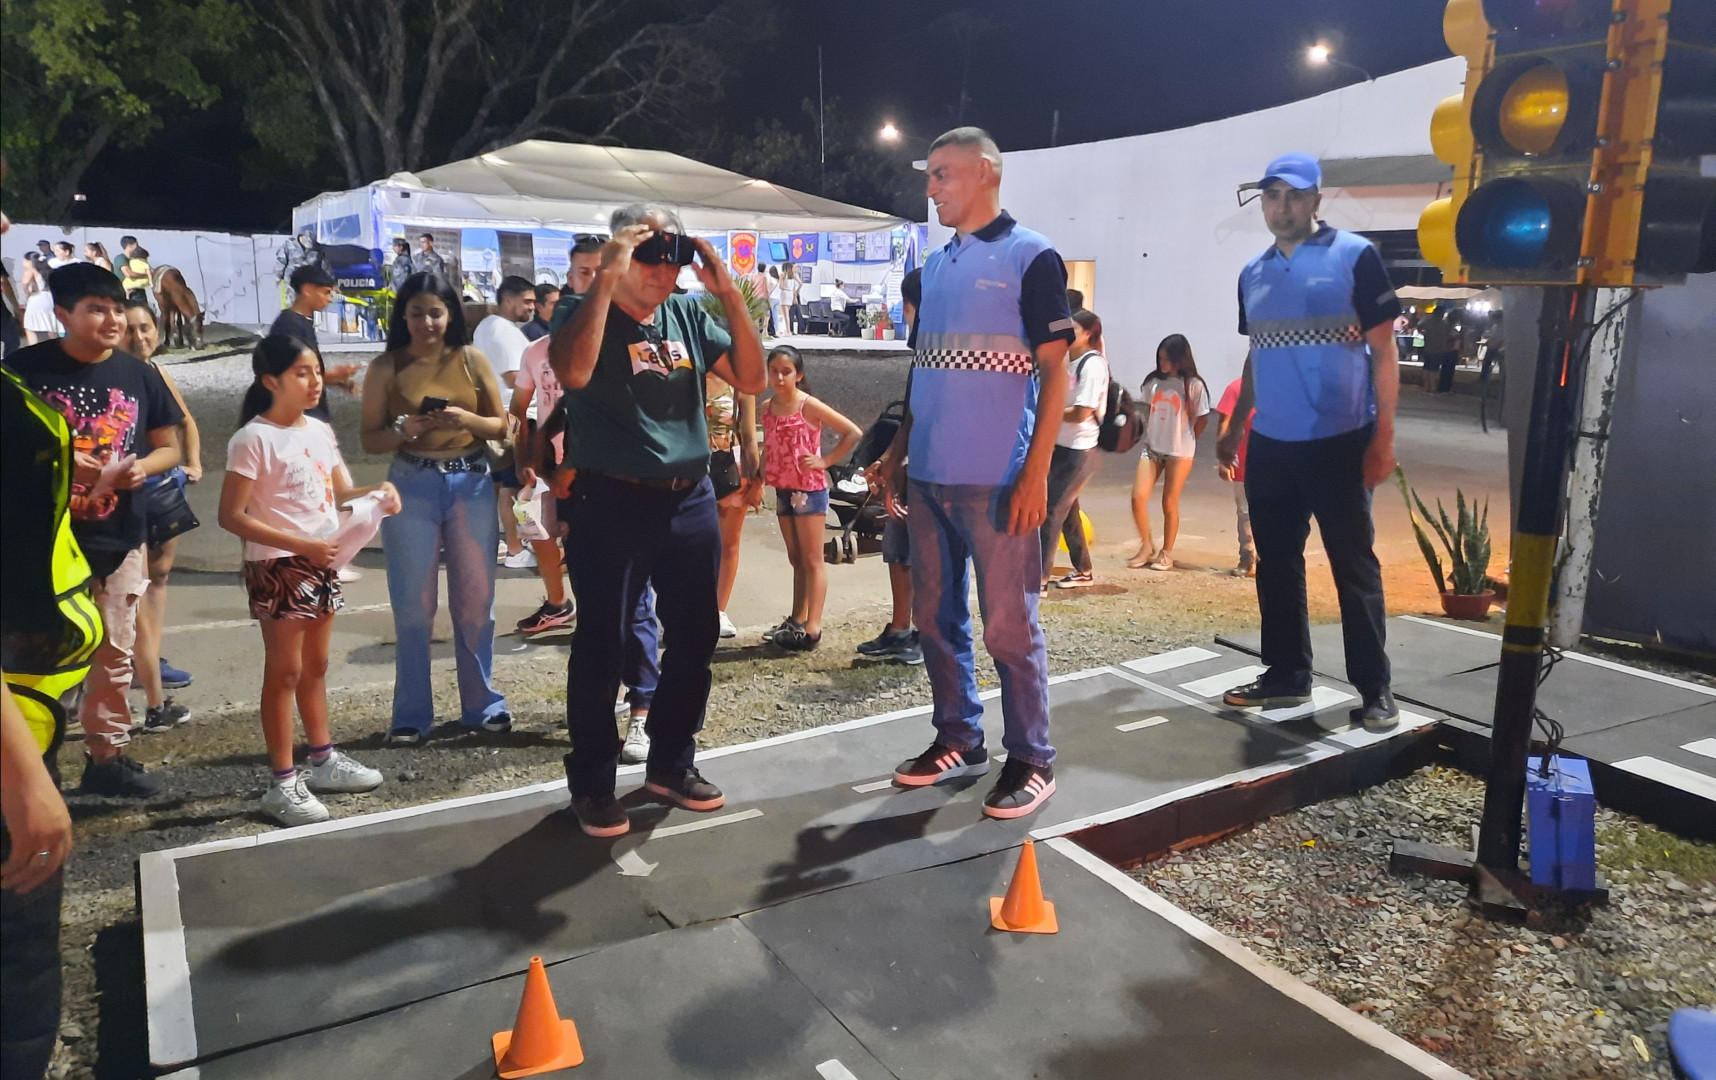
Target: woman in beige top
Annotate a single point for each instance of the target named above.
(432, 401)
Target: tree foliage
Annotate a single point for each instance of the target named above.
(857, 169)
(79, 75)
(411, 83)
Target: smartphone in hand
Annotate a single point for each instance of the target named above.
(431, 404)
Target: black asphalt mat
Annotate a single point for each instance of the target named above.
(910, 965)
(1659, 737)
(706, 1001)
(1585, 698)
(1416, 651)
(292, 935)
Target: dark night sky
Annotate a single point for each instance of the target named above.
(1112, 68)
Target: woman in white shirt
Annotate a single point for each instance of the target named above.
(1075, 458)
(1177, 405)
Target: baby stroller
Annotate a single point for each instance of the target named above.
(858, 511)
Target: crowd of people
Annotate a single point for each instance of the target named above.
(27, 313)
(628, 429)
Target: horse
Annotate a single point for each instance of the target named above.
(181, 315)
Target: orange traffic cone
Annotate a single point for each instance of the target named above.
(539, 1041)
(1024, 910)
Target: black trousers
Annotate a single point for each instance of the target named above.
(620, 538)
(29, 976)
(1287, 483)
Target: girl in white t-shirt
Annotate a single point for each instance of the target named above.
(285, 482)
(1176, 404)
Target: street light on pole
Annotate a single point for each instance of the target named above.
(1320, 55)
(889, 133)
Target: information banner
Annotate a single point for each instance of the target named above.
(843, 247)
(804, 247)
(744, 252)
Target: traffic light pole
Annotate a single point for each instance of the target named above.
(1554, 400)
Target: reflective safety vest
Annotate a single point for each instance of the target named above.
(52, 656)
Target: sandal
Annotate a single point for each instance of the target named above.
(1140, 561)
(1161, 562)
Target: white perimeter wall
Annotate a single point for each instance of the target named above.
(1170, 196)
(232, 275)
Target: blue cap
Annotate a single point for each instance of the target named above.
(1296, 170)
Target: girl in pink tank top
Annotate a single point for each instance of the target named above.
(793, 463)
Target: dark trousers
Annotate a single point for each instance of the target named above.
(621, 537)
(1069, 471)
(29, 976)
(1287, 483)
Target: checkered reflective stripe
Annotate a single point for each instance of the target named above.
(1009, 363)
(1334, 335)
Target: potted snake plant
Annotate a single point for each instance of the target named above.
(1465, 589)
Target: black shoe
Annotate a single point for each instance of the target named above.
(498, 724)
(601, 815)
(787, 624)
(887, 643)
(941, 762)
(548, 617)
(1021, 789)
(1264, 694)
(690, 791)
(404, 736)
(165, 716)
(118, 777)
(911, 654)
(798, 639)
(1380, 713)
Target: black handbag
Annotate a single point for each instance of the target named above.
(165, 508)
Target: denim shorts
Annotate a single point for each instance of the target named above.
(790, 503)
(896, 543)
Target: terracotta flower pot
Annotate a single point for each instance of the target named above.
(1467, 605)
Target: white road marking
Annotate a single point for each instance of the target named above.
(239, 624)
(1164, 661)
(1594, 661)
(1227, 680)
(1322, 697)
(632, 864)
(166, 967)
(1357, 737)
(1667, 772)
(1707, 747)
(833, 1070)
(874, 785)
(1139, 725)
(705, 823)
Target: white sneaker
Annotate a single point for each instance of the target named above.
(524, 560)
(292, 804)
(341, 774)
(727, 628)
(347, 575)
(636, 748)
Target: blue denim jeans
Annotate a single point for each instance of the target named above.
(447, 517)
(954, 527)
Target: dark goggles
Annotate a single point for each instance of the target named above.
(664, 248)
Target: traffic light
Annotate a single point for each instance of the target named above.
(1579, 159)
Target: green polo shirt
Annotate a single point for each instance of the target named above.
(642, 412)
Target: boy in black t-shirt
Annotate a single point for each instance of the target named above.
(118, 408)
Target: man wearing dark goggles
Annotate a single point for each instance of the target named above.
(631, 360)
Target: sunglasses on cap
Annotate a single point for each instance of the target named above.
(664, 248)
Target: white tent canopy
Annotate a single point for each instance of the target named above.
(577, 185)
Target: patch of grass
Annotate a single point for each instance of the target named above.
(1622, 846)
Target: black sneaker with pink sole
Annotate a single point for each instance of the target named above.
(941, 762)
(1022, 788)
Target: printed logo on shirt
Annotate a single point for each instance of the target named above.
(658, 357)
(986, 283)
(99, 430)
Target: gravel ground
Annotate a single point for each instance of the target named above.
(1310, 891)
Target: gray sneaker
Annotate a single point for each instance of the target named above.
(635, 750)
(340, 774)
(292, 803)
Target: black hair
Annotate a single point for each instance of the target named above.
(309, 274)
(80, 280)
(912, 288)
(513, 285)
(399, 334)
(49, 244)
(426, 236)
(273, 355)
(401, 244)
(544, 289)
(797, 359)
(62, 245)
(1075, 299)
(1179, 352)
(123, 240)
(586, 245)
(1091, 323)
(141, 253)
(140, 304)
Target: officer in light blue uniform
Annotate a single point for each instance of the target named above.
(1324, 377)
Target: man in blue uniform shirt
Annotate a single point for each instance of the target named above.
(991, 343)
(1324, 377)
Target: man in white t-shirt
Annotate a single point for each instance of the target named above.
(500, 338)
(1075, 459)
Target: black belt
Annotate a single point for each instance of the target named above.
(476, 462)
(657, 483)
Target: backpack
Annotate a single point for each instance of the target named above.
(1122, 427)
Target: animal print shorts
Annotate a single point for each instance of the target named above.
(291, 588)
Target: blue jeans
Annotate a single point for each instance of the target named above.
(622, 539)
(450, 517)
(952, 528)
